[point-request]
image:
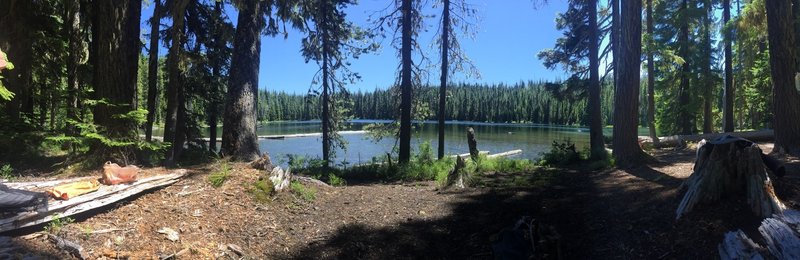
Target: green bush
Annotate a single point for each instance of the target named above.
(6, 172)
(336, 180)
(561, 153)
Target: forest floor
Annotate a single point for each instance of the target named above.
(609, 214)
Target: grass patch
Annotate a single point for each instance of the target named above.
(57, 223)
(306, 193)
(219, 177)
(263, 190)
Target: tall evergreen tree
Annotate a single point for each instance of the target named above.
(626, 104)
(239, 139)
(116, 39)
(728, 92)
(783, 61)
(152, 72)
(173, 129)
(406, 87)
(651, 76)
(330, 42)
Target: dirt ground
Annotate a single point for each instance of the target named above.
(610, 214)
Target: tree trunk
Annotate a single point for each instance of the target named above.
(684, 97)
(730, 168)
(152, 71)
(445, 65)
(326, 101)
(175, 71)
(651, 80)
(708, 89)
(405, 84)
(626, 99)
(728, 93)
(72, 32)
(16, 41)
(239, 139)
(216, 68)
(615, 40)
(116, 34)
(598, 148)
(783, 61)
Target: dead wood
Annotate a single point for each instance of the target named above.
(729, 169)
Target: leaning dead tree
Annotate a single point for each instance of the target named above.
(731, 166)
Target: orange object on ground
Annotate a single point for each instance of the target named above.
(113, 174)
(71, 190)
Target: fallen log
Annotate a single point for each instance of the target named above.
(505, 154)
(730, 166)
(678, 140)
(780, 233)
(102, 197)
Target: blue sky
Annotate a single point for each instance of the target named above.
(509, 34)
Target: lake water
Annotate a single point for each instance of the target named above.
(531, 139)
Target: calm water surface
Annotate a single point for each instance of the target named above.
(532, 139)
(495, 138)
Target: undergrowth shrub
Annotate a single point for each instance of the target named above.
(263, 190)
(308, 194)
(219, 177)
(561, 153)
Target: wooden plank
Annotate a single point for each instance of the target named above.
(102, 197)
(43, 184)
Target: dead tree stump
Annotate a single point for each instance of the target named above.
(456, 177)
(730, 166)
(473, 145)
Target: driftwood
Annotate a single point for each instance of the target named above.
(473, 145)
(735, 167)
(263, 163)
(102, 197)
(679, 140)
(737, 245)
(279, 178)
(505, 154)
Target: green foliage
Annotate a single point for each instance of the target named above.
(219, 177)
(308, 194)
(334, 180)
(561, 153)
(57, 223)
(4, 93)
(263, 190)
(7, 172)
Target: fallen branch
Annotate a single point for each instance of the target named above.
(678, 140)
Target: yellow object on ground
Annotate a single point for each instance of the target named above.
(71, 190)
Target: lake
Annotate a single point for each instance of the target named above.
(532, 139)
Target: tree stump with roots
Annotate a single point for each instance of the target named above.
(730, 166)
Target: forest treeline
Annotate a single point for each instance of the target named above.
(78, 74)
(523, 102)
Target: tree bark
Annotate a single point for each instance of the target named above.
(626, 99)
(405, 85)
(152, 71)
(216, 68)
(175, 71)
(728, 92)
(72, 32)
(597, 145)
(16, 40)
(473, 144)
(783, 61)
(116, 34)
(651, 80)
(708, 89)
(443, 77)
(239, 139)
(684, 97)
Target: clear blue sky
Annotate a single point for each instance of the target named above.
(509, 34)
